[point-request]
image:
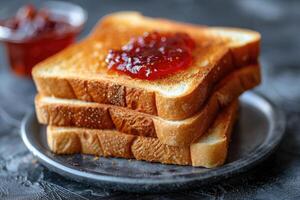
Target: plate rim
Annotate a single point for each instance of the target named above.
(224, 171)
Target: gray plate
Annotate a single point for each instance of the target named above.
(258, 131)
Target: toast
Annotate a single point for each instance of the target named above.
(80, 71)
(209, 151)
(62, 112)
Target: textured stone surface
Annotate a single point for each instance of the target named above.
(22, 177)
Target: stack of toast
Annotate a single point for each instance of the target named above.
(184, 118)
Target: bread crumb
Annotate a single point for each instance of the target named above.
(96, 158)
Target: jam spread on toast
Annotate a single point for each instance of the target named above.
(153, 55)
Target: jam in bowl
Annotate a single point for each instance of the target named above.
(36, 33)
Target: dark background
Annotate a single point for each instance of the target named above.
(22, 177)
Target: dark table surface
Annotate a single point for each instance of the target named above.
(22, 177)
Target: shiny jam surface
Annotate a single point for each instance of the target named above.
(153, 55)
(32, 23)
(42, 35)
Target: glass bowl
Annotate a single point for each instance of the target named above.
(23, 52)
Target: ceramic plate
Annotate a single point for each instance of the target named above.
(257, 132)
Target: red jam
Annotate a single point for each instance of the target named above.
(42, 34)
(153, 55)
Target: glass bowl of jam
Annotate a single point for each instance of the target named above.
(35, 33)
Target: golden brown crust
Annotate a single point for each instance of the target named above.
(184, 134)
(246, 54)
(97, 91)
(66, 142)
(214, 153)
(140, 100)
(132, 123)
(237, 84)
(175, 133)
(115, 144)
(151, 149)
(79, 116)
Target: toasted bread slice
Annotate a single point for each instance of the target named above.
(209, 151)
(80, 72)
(62, 112)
